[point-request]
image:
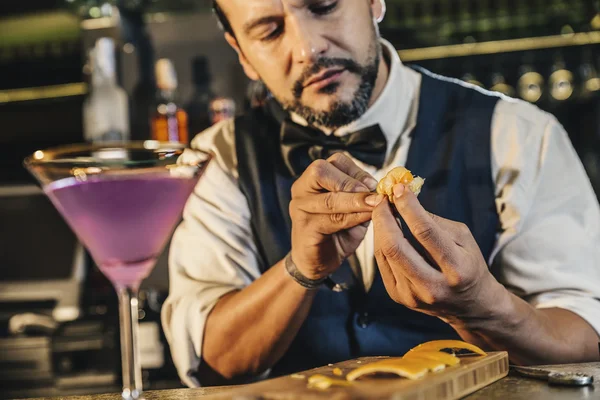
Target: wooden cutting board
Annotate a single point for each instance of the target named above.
(472, 374)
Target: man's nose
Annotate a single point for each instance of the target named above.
(309, 43)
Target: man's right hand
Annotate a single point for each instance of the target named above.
(330, 210)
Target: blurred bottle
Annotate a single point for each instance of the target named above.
(500, 85)
(105, 110)
(222, 108)
(561, 80)
(169, 122)
(139, 51)
(485, 21)
(466, 17)
(408, 14)
(530, 86)
(198, 106)
(427, 17)
(522, 19)
(469, 76)
(503, 21)
(590, 80)
(539, 17)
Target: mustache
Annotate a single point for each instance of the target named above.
(321, 64)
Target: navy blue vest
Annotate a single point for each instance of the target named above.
(450, 148)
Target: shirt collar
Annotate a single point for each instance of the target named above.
(392, 107)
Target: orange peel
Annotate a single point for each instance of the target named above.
(439, 356)
(399, 175)
(454, 345)
(320, 381)
(418, 361)
(404, 368)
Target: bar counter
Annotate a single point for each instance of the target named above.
(511, 387)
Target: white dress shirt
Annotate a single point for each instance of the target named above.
(548, 251)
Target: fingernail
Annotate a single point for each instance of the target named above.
(370, 182)
(398, 190)
(374, 199)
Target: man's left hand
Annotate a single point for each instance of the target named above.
(451, 282)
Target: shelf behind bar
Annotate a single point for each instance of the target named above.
(500, 46)
(409, 55)
(43, 92)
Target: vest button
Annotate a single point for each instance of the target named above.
(363, 320)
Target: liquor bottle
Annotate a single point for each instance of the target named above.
(198, 106)
(222, 108)
(469, 76)
(427, 17)
(106, 109)
(169, 122)
(408, 14)
(590, 79)
(447, 23)
(485, 21)
(466, 18)
(139, 51)
(499, 85)
(561, 80)
(531, 84)
(503, 21)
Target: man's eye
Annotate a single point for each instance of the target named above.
(274, 34)
(323, 9)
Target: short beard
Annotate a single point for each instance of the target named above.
(340, 113)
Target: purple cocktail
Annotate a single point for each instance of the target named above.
(123, 201)
(123, 221)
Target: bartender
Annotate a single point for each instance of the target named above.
(287, 259)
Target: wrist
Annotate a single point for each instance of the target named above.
(299, 277)
(306, 268)
(496, 309)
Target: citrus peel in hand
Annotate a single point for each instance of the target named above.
(399, 175)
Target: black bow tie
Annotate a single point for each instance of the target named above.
(301, 145)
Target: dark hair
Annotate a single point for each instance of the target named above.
(222, 18)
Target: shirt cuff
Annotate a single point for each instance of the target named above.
(585, 306)
(184, 322)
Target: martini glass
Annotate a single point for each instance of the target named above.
(123, 201)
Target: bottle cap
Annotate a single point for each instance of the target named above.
(166, 79)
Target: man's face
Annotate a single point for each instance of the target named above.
(319, 58)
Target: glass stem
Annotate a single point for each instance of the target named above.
(130, 357)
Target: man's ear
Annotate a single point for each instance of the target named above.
(248, 69)
(378, 7)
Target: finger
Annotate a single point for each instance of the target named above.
(346, 165)
(387, 274)
(460, 233)
(397, 286)
(403, 258)
(334, 203)
(436, 241)
(322, 176)
(328, 224)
